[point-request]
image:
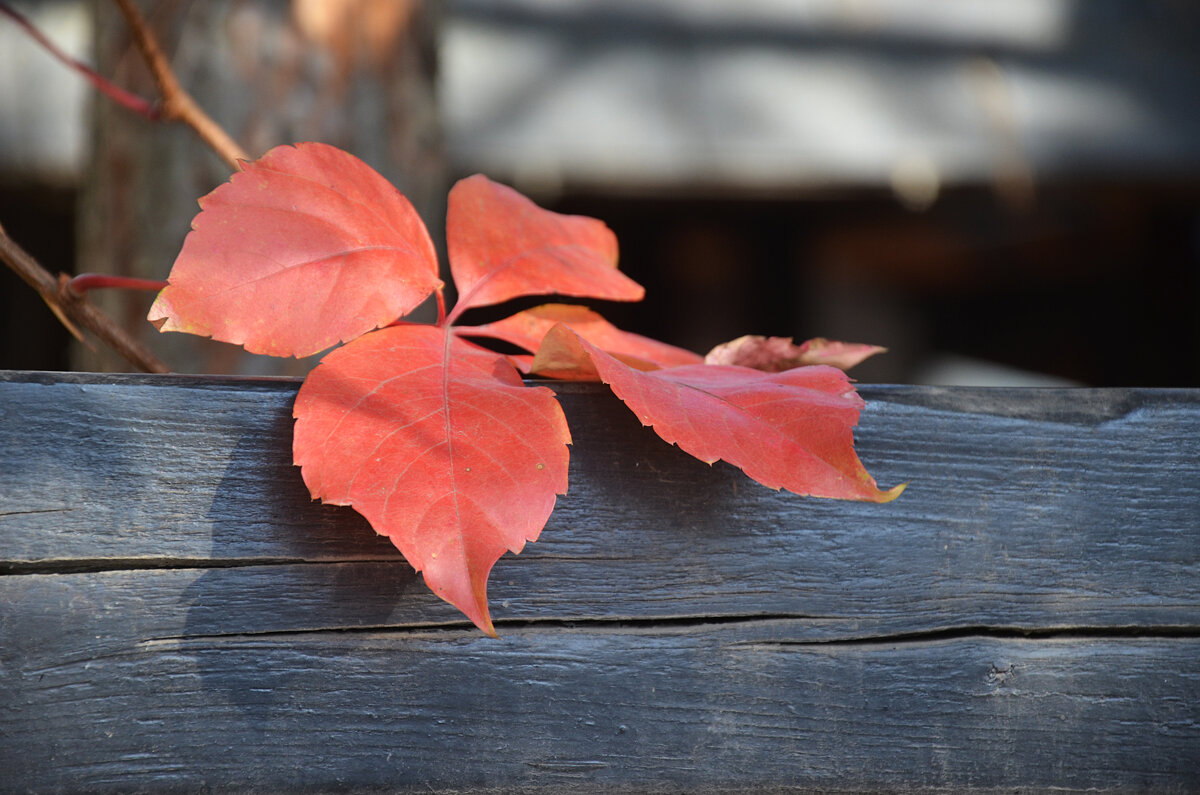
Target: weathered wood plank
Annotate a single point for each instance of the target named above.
(698, 708)
(177, 613)
(1026, 508)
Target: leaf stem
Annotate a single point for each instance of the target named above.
(83, 282)
(63, 295)
(71, 308)
(455, 313)
(139, 105)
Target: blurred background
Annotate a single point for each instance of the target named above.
(999, 192)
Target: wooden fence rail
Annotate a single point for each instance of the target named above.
(176, 613)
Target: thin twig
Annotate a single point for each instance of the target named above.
(177, 104)
(72, 308)
(133, 102)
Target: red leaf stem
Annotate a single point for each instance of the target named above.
(133, 102)
(83, 282)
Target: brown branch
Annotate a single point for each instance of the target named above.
(67, 304)
(72, 308)
(177, 104)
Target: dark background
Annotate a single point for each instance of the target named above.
(1089, 274)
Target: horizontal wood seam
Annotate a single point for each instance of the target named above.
(682, 624)
(105, 565)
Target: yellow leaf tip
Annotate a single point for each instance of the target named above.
(484, 624)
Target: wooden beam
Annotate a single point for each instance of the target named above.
(176, 613)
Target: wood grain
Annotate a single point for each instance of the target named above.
(178, 614)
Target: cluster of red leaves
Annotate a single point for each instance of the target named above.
(435, 439)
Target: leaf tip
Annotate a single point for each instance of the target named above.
(480, 615)
(160, 310)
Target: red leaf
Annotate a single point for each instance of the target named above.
(775, 354)
(789, 430)
(440, 446)
(502, 245)
(526, 329)
(304, 248)
(435, 440)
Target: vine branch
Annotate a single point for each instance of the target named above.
(177, 104)
(65, 298)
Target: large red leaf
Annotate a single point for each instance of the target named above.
(526, 329)
(304, 248)
(502, 245)
(440, 446)
(791, 429)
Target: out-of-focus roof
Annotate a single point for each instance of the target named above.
(795, 94)
(755, 95)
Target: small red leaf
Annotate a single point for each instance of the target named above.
(502, 245)
(789, 430)
(440, 446)
(562, 355)
(775, 354)
(304, 248)
(526, 329)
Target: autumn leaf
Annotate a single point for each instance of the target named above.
(435, 439)
(441, 447)
(527, 328)
(775, 354)
(791, 429)
(304, 248)
(501, 245)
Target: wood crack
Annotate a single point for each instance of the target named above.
(683, 625)
(106, 565)
(934, 635)
(33, 511)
